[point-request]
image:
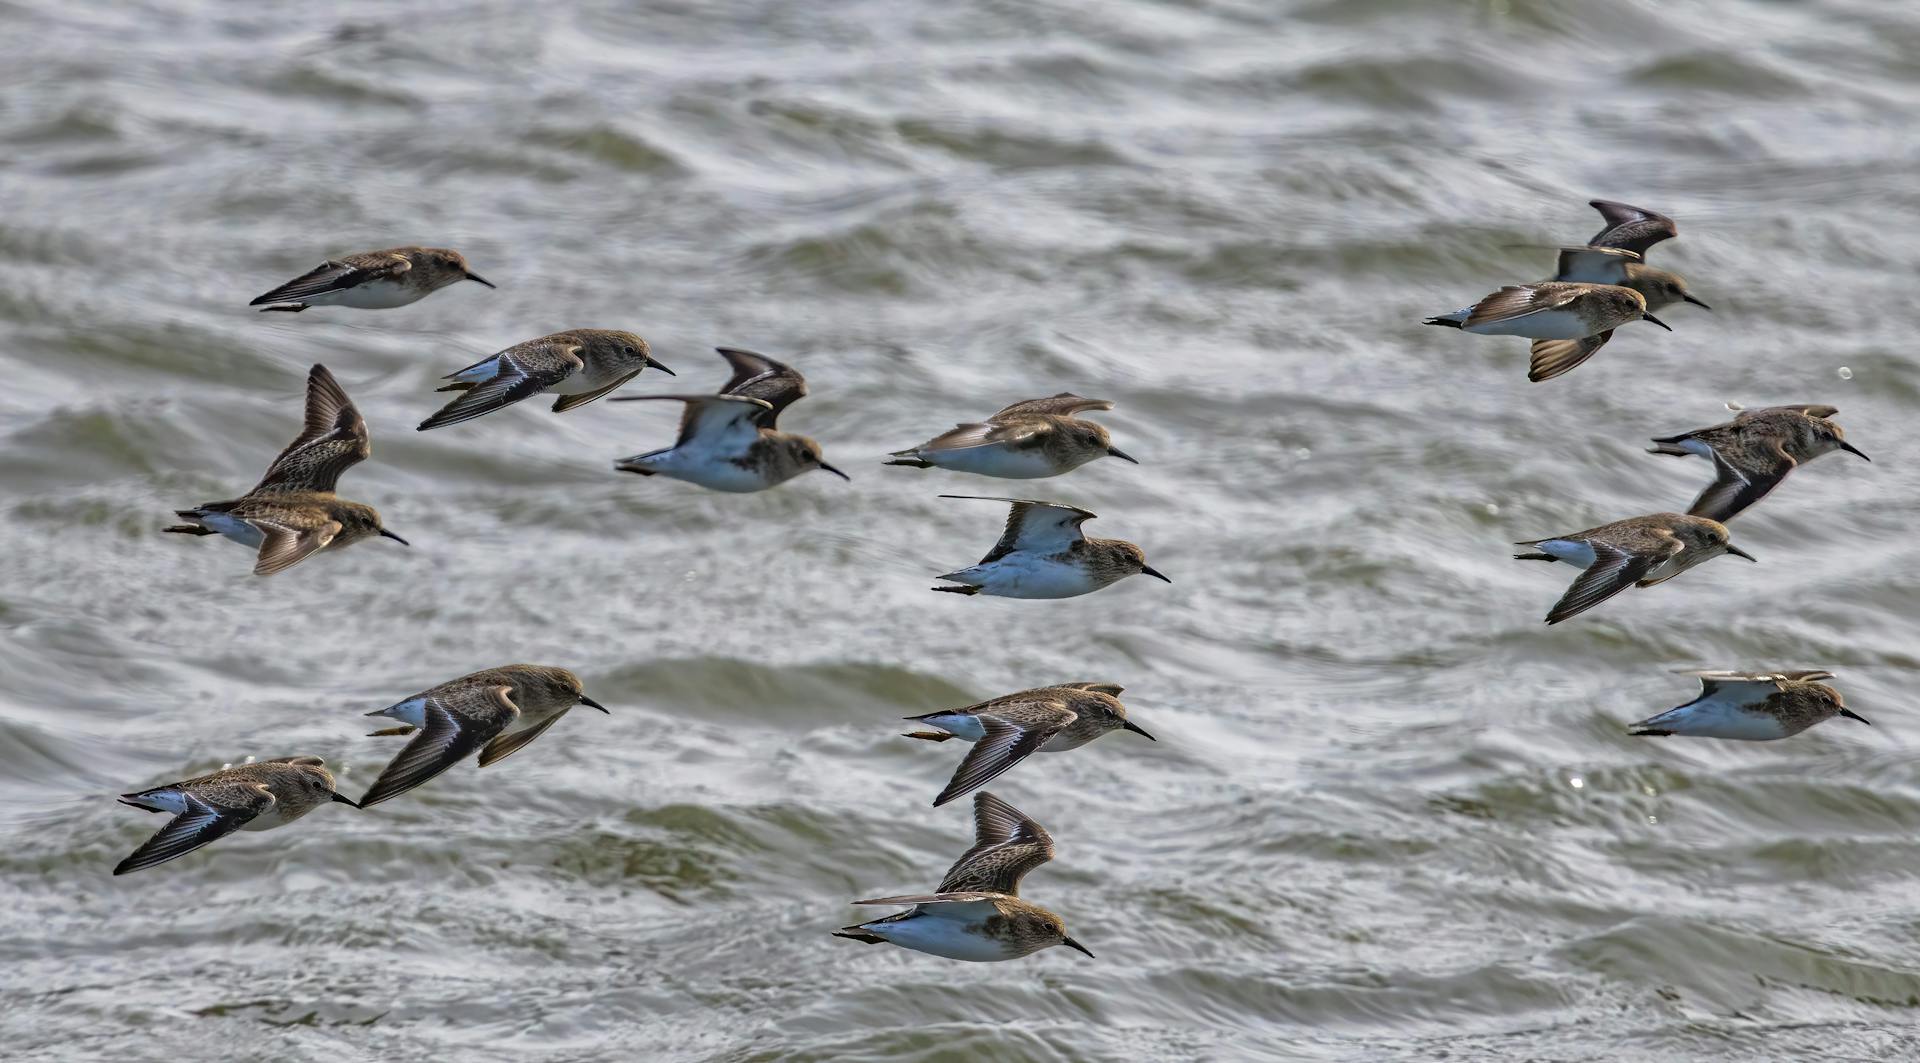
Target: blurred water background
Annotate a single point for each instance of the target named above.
(1391, 816)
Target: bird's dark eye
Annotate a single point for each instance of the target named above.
(629, 350)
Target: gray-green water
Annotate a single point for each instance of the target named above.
(1391, 817)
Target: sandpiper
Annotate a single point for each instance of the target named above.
(1581, 317)
(257, 795)
(1007, 729)
(373, 280)
(728, 441)
(292, 512)
(579, 365)
(1613, 265)
(1639, 550)
(1756, 450)
(1044, 554)
(474, 712)
(976, 913)
(1025, 441)
(1751, 707)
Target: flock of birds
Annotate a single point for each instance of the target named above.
(1598, 287)
(728, 441)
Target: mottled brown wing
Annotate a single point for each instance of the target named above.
(1014, 730)
(1517, 301)
(1631, 228)
(1065, 404)
(1741, 477)
(518, 372)
(962, 436)
(284, 545)
(457, 723)
(333, 439)
(756, 376)
(1046, 527)
(1594, 265)
(203, 821)
(1007, 845)
(1613, 570)
(338, 275)
(1550, 358)
(1820, 411)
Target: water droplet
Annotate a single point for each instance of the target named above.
(1493, 509)
(1845, 373)
(1303, 453)
(1653, 821)
(1577, 783)
(1734, 407)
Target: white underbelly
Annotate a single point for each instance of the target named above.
(1719, 717)
(707, 470)
(1544, 325)
(373, 295)
(1026, 576)
(1000, 461)
(944, 937)
(1572, 551)
(233, 528)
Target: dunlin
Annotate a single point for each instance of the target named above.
(976, 913)
(728, 441)
(1639, 550)
(1751, 707)
(1025, 441)
(1043, 554)
(1005, 730)
(259, 795)
(579, 365)
(292, 512)
(474, 712)
(1582, 316)
(1756, 450)
(373, 280)
(1613, 265)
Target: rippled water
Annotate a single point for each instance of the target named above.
(1391, 816)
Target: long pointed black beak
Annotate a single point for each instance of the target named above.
(1072, 944)
(1122, 455)
(1146, 570)
(1851, 449)
(836, 472)
(477, 277)
(1657, 321)
(1696, 302)
(1737, 552)
(592, 704)
(394, 537)
(345, 800)
(656, 365)
(1852, 715)
(1129, 725)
